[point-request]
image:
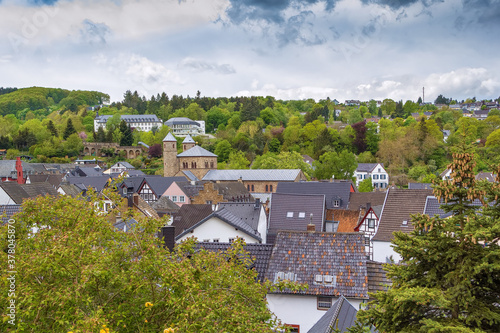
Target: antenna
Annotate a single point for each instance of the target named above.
(423, 95)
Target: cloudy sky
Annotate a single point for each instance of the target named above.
(290, 49)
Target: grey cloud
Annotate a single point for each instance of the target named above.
(269, 11)
(94, 33)
(298, 29)
(397, 4)
(203, 66)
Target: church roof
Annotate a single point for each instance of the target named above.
(188, 139)
(196, 151)
(169, 137)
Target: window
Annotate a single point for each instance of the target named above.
(382, 176)
(206, 240)
(174, 198)
(324, 303)
(336, 203)
(211, 165)
(231, 240)
(302, 215)
(253, 188)
(289, 214)
(293, 328)
(360, 176)
(405, 223)
(379, 170)
(267, 188)
(271, 187)
(182, 198)
(367, 241)
(206, 165)
(216, 240)
(248, 188)
(209, 202)
(124, 190)
(375, 176)
(371, 223)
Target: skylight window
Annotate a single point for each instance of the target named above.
(289, 214)
(302, 215)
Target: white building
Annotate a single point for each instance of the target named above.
(182, 126)
(375, 171)
(140, 122)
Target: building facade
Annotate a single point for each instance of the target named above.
(140, 122)
(182, 126)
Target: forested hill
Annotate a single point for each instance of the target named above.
(42, 101)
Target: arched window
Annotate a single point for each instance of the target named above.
(206, 165)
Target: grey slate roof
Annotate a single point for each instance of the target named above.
(307, 203)
(165, 205)
(260, 253)
(87, 172)
(169, 137)
(341, 316)
(433, 207)
(284, 175)
(190, 175)
(246, 211)
(125, 225)
(181, 121)
(160, 184)
(136, 118)
(360, 199)
(188, 139)
(7, 211)
(190, 189)
(332, 191)
(8, 168)
(308, 254)
(489, 176)
(97, 183)
(124, 164)
(54, 180)
(228, 217)
(19, 192)
(398, 206)
(71, 189)
(367, 167)
(196, 151)
(189, 215)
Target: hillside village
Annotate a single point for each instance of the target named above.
(315, 191)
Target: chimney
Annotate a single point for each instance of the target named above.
(311, 227)
(136, 199)
(257, 203)
(168, 236)
(19, 171)
(368, 206)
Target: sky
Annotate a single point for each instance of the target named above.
(289, 49)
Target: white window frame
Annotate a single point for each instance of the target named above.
(289, 214)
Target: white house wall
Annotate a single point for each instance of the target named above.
(382, 251)
(262, 227)
(217, 229)
(5, 198)
(299, 309)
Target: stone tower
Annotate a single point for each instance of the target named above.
(170, 162)
(188, 143)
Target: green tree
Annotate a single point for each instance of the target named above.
(78, 273)
(250, 109)
(237, 160)
(449, 275)
(126, 137)
(52, 128)
(69, 129)
(222, 150)
(366, 185)
(283, 160)
(101, 135)
(339, 165)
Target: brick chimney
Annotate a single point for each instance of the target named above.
(19, 171)
(311, 227)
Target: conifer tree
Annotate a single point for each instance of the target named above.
(70, 129)
(449, 277)
(126, 139)
(52, 128)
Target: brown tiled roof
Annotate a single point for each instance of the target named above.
(377, 277)
(310, 254)
(26, 191)
(348, 219)
(233, 191)
(189, 215)
(360, 199)
(398, 206)
(260, 253)
(54, 180)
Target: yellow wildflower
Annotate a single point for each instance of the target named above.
(148, 304)
(168, 330)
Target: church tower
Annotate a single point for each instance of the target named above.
(188, 143)
(170, 162)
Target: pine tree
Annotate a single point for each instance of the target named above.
(100, 136)
(449, 278)
(52, 128)
(69, 129)
(126, 139)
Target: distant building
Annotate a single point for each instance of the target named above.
(182, 126)
(375, 171)
(140, 122)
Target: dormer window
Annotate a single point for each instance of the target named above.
(336, 203)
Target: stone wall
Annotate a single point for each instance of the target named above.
(95, 148)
